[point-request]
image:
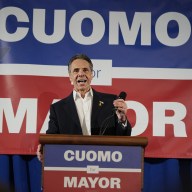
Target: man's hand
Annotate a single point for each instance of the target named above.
(121, 109)
(39, 152)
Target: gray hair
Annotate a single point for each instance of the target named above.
(80, 56)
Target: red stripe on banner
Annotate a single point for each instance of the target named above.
(81, 181)
(147, 100)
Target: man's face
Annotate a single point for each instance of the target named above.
(80, 75)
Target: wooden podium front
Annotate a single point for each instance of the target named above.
(75, 163)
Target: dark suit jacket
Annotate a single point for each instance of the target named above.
(64, 117)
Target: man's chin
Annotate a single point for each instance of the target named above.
(83, 88)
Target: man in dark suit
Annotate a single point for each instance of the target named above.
(86, 111)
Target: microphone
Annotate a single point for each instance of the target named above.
(106, 121)
(122, 95)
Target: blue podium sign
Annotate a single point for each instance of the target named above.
(92, 168)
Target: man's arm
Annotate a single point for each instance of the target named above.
(124, 127)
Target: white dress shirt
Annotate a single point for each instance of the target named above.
(84, 106)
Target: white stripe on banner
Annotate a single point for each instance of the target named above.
(85, 169)
(103, 72)
(152, 73)
(34, 70)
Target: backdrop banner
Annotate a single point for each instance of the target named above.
(140, 47)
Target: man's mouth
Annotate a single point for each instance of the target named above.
(82, 81)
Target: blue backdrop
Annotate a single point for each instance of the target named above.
(22, 173)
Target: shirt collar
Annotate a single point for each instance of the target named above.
(77, 95)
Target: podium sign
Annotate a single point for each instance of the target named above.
(76, 163)
(92, 168)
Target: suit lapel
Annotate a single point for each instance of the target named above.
(97, 105)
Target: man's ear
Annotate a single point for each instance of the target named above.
(71, 80)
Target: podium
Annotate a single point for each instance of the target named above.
(76, 163)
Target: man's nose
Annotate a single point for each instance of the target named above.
(81, 72)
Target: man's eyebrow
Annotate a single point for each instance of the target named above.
(81, 68)
(76, 68)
